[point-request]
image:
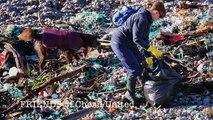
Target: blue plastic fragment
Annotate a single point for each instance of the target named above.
(55, 96)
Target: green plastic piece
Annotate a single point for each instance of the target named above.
(63, 84)
(71, 110)
(138, 95)
(124, 80)
(15, 92)
(154, 33)
(110, 88)
(200, 115)
(61, 115)
(145, 110)
(101, 116)
(56, 113)
(23, 117)
(192, 107)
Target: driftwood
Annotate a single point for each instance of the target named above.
(34, 92)
(168, 34)
(167, 58)
(87, 89)
(105, 43)
(12, 115)
(118, 90)
(2, 39)
(198, 32)
(8, 79)
(186, 5)
(202, 29)
(18, 59)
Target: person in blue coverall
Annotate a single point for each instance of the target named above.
(135, 32)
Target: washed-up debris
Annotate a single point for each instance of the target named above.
(184, 35)
(79, 114)
(90, 21)
(30, 94)
(17, 57)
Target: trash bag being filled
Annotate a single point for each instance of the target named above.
(161, 83)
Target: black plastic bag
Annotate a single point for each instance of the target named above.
(161, 84)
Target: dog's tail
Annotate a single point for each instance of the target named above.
(26, 35)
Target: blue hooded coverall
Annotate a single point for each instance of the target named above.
(125, 39)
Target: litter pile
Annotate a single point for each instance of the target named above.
(93, 88)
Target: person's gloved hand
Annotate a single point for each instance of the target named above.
(149, 61)
(155, 51)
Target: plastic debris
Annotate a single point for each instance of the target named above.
(55, 96)
(3, 58)
(13, 71)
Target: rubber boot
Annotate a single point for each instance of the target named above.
(130, 94)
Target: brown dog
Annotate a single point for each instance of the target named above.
(68, 40)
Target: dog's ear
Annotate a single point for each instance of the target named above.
(26, 35)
